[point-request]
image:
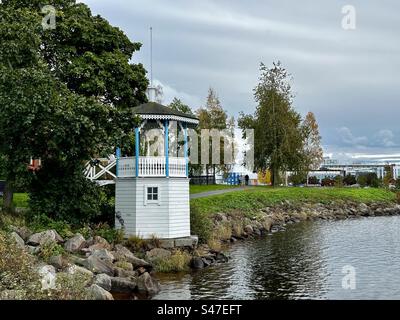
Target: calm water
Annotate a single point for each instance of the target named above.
(304, 262)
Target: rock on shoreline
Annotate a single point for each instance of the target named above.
(273, 219)
(115, 268)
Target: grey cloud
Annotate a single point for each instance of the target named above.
(348, 138)
(349, 79)
(385, 137)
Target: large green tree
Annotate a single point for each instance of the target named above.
(86, 53)
(65, 96)
(278, 136)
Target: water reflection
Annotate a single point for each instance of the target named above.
(303, 262)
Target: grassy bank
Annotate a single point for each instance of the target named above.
(216, 218)
(20, 200)
(254, 199)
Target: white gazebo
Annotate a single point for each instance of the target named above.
(152, 189)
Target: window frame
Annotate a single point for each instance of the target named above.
(147, 193)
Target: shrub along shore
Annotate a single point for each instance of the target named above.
(94, 262)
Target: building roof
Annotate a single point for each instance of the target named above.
(156, 111)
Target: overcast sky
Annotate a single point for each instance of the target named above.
(348, 78)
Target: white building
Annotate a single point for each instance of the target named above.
(152, 192)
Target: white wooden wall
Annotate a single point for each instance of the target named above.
(170, 218)
(179, 208)
(125, 201)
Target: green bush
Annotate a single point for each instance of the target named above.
(135, 243)
(86, 231)
(111, 234)
(369, 180)
(338, 181)
(200, 223)
(298, 178)
(177, 262)
(71, 287)
(71, 198)
(50, 249)
(17, 269)
(42, 222)
(349, 180)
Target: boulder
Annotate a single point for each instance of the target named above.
(121, 273)
(23, 232)
(103, 254)
(97, 265)
(167, 243)
(184, 242)
(197, 263)
(74, 244)
(87, 243)
(220, 257)
(124, 265)
(141, 270)
(98, 293)
(32, 249)
(248, 229)
(77, 260)
(145, 283)
(123, 254)
(103, 281)
(57, 262)
(18, 240)
(122, 285)
(95, 243)
(74, 269)
(157, 253)
(38, 239)
(220, 217)
(207, 261)
(101, 243)
(48, 277)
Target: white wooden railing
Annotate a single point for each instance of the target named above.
(151, 167)
(126, 167)
(103, 167)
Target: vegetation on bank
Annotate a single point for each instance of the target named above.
(20, 278)
(253, 199)
(248, 203)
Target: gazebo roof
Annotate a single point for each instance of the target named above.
(156, 111)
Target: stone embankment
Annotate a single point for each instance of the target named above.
(234, 226)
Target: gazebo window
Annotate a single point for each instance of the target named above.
(152, 194)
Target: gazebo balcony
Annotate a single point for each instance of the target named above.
(151, 167)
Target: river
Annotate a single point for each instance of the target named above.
(308, 260)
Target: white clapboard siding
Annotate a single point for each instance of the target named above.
(125, 201)
(166, 219)
(179, 208)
